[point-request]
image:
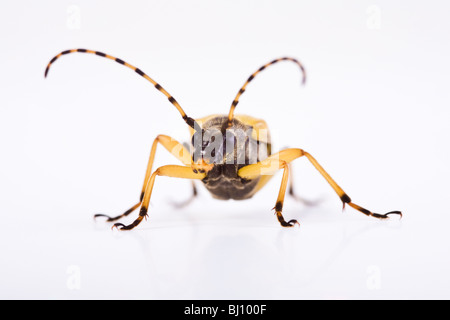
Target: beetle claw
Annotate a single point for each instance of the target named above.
(292, 223)
(108, 218)
(386, 215)
(117, 225)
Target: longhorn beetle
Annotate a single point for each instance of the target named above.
(230, 154)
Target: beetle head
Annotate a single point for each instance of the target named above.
(216, 144)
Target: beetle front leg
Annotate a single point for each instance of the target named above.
(269, 167)
(168, 171)
(280, 200)
(171, 145)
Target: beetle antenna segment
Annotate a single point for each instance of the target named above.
(241, 91)
(191, 122)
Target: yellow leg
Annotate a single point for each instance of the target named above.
(280, 199)
(175, 148)
(280, 160)
(171, 145)
(168, 171)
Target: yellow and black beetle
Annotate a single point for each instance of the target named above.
(231, 154)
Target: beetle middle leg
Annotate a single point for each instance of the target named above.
(279, 161)
(184, 203)
(295, 196)
(174, 147)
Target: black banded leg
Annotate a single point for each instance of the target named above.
(371, 214)
(171, 145)
(142, 214)
(274, 162)
(342, 195)
(126, 213)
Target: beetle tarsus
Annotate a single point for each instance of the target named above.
(111, 219)
(118, 226)
(386, 215)
(292, 223)
(108, 218)
(284, 223)
(122, 227)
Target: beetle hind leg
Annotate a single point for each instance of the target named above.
(372, 214)
(296, 197)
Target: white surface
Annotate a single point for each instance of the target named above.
(374, 113)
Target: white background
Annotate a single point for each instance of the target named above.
(374, 113)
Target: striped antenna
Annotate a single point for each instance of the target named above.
(242, 90)
(191, 122)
